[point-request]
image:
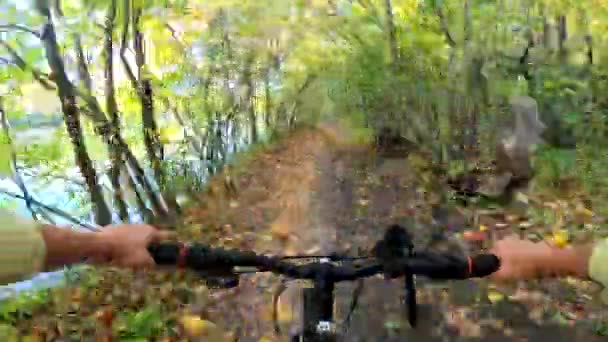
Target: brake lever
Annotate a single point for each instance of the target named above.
(396, 245)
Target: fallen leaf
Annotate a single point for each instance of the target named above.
(195, 326)
(560, 238)
(494, 296)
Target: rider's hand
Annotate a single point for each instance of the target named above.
(126, 245)
(522, 259)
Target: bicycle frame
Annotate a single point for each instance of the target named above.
(318, 307)
(318, 317)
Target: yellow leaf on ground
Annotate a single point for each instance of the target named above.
(494, 296)
(560, 238)
(195, 326)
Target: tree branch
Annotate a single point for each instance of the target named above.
(444, 27)
(369, 5)
(20, 62)
(57, 7)
(21, 28)
(52, 210)
(174, 34)
(123, 45)
(392, 32)
(16, 176)
(83, 69)
(50, 175)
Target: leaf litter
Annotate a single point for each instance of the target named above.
(293, 209)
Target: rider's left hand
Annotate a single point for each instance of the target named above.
(126, 245)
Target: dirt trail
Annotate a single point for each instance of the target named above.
(310, 195)
(284, 205)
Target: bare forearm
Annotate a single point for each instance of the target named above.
(571, 261)
(64, 246)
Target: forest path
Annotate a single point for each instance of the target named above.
(312, 193)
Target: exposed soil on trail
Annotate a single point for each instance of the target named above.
(308, 194)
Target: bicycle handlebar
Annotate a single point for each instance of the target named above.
(393, 256)
(199, 257)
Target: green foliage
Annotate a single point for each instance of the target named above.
(147, 323)
(23, 306)
(5, 153)
(554, 163)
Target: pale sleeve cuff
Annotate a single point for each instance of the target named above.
(598, 267)
(22, 248)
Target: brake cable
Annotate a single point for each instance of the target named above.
(353, 304)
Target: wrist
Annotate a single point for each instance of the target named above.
(571, 261)
(65, 246)
(100, 248)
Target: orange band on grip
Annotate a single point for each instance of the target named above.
(470, 266)
(183, 253)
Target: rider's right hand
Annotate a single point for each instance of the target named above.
(523, 259)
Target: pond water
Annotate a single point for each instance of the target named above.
(73, 199)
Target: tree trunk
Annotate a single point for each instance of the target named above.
(72, 121)
(392, 33)
(154, 148)
(562, 34)
(546, 29)
(105, 128)
(249, 97)
(468, 22)
(267, 100)
(112, 111)
(71, 117)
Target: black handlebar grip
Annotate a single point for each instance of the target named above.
(483, 265)
(164, 253)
